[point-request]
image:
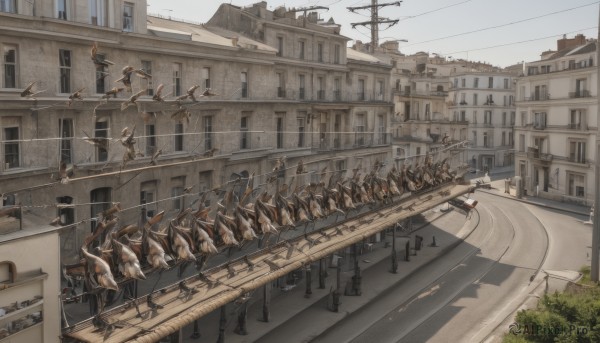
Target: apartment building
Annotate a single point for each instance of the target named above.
(556, 122)
(486, 100)
(279, 86)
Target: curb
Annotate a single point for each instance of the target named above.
(536, 203)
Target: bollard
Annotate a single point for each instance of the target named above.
(433, 243)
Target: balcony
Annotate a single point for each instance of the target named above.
(539, 126)
(538, 97)
(360, 96)
(463, 103)
(534, 154)
(346, 141)
(301, 93)
(579, 94)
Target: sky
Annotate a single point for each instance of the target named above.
(504, 32)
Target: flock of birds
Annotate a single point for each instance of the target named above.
(116, 253)
(180, 113)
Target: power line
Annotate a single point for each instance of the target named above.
(435, 10)
(503, 25)
(520, 42)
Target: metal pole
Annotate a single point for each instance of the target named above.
(308, 292)
(596, 228)
(394, 257)
(322, 273)
(222, 323)
(266, 302)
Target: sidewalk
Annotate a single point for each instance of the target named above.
(449, 229)
(498, 189)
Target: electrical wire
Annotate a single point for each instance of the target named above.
(435, 10)
(502, 25)
(521, 42)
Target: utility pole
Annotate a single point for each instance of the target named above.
(375, 20)
(596, 228)
(306, 9)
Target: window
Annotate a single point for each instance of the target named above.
(503, 118)
(281, 85)
(279, 46)
(577, 151)
(455, 83)
(463, 82)
(475, 100)
(206, 77)
(98, 12)
(208, 132)
(576, 119)
(361, 90)
(147, 82)
(490, 82)
(66, 213)
(279, 124)
(321, 85)
(474, 138)
(337, 89)
(10, 66)
(511, 140)
(301, 45)
(336, 54)
(539, 120)
(179, 137)
(380, 90)
(65, 70)
(576, 185)
(65, 127)
(463, 116)
(101, 131)
(150, 139)
(476, 82)
(512, 118)
(8, 6)
(101, 74)
(381, 136)
(301, 90)
(486, 140)
(360, 129)
(489, 100)
(487, 117)
(177, 186)
(148, 196)
(523, 118)
(128, 17)
(101, 200)
(503, 138)
(505, 83)
(504, 100)
(320, 52)
(511, 100)
(474, 117)
(581, 89)
(177, 79)
(463, 100)
(244, 135)
(301, 120)
(62, 7)
(11, 147)
(244, 78)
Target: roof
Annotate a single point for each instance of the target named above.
(572, 51)
(200, 33)
(361, 56)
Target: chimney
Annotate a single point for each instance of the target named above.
(313, 17)
(565, 42)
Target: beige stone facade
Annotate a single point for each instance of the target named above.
(556, 124)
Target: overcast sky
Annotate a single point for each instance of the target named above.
(426, 24)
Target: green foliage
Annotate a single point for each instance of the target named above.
(568, 317)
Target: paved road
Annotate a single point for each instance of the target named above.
(467, 294)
